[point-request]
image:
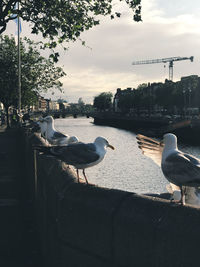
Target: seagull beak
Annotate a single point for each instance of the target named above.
(112, 147)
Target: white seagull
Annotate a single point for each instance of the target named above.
(43, 127)
(182, 170)
(79, 155)
(55, 137)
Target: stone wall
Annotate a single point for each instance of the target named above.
(83, 225)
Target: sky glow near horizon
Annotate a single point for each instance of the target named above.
(169, 29)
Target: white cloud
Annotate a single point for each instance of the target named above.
(167, 30)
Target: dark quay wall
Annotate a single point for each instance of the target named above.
(83, 225)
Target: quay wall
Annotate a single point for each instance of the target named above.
(83, 225)
(129, 123)
(186, 130)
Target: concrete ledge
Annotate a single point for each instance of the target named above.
(86, 218)
(153, 232)
(83, 225)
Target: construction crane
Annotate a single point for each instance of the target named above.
(164, 60)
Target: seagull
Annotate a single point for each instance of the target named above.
(80, 155)
(55, 137)
(181, 169)
(43, 127)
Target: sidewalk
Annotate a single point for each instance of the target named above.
(2, 128)
(16, 244)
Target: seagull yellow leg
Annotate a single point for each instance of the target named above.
(183, 189)
(77, 174)
(85, 176)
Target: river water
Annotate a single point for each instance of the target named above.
(124, 168)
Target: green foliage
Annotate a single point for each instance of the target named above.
(126, 100)
(80, 108)
(38, 73)
(103, 101)
(8, 71)
(81, 102)
(141, 86)
(62, 20)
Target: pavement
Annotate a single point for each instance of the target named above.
(18, 244)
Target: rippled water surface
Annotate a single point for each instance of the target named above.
(125, 167)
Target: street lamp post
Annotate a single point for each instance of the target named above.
(189, 99)
(184, 102)
(19, 66)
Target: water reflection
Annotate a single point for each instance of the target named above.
(124, 168)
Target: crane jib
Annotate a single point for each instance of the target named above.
(164, 60)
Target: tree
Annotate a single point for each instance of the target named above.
(60, 100)
(81, 102)
(103, 101)
(60, 20)
(126, 101)
(165, 95)
(142, 86)
(38, 73)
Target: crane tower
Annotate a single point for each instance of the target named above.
(164, 60)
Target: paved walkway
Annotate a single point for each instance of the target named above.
(17, 235)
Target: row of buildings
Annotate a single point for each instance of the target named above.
(179, 97)
(48, 104)
(43, 105)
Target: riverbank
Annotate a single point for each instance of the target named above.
(187, 130)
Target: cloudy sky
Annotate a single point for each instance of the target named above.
(169, 29)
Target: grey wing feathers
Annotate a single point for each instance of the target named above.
(150, 148)
(193, 159)
(180, 170)
(77, 153)
(58, 135)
